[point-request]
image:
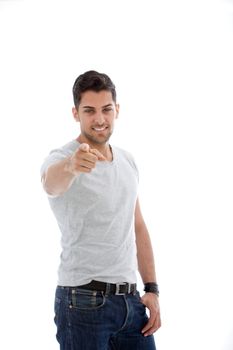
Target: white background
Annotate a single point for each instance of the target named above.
(172, 64)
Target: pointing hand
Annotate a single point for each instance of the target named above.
(84, 159)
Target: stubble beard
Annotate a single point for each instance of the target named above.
(96, 140)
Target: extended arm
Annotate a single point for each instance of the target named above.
(57, 179)
(60, 176)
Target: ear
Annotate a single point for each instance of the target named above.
(75, 114)
(117, 110)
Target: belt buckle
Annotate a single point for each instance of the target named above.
(118, 286)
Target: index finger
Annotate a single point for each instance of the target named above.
(97, 154)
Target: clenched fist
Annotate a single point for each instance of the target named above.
(84, 159)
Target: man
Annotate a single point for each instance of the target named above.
(92, 189)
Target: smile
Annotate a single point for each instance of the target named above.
(100, 129)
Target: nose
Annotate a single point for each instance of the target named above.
(99, 119)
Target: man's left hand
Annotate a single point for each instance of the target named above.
(150, 300)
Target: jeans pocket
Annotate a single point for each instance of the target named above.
(138, 299)
(83, 299)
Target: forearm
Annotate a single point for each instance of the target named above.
(146, 265)
(58, 178)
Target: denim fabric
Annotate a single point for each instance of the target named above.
(90, 320)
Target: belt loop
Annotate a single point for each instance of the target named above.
(73, 297)
(134, 289)
(107, 289)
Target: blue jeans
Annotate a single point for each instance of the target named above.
(90, 320)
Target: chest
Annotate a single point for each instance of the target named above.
(107, 186)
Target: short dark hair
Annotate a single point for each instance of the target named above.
(92, 80)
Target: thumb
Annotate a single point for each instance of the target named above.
(84, 147)
(97, 154)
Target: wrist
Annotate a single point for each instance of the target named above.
(151, 287)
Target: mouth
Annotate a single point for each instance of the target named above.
(99, 129)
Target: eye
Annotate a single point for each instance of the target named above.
(107, 109)
(89, 111)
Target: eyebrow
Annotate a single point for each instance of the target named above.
(108, 105)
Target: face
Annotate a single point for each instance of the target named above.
(96, 114)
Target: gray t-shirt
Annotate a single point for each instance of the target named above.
(96, 219)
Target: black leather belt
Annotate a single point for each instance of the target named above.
(111, 288)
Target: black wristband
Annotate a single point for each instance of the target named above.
(151, 287)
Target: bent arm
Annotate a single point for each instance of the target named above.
(145, 255)
(147, 271)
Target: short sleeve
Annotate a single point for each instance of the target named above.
(54, 157)
(127, 155)
(133, 163)
(136, 169)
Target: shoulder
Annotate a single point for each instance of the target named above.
(66, 149)
(122, 154)
(58, 154)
